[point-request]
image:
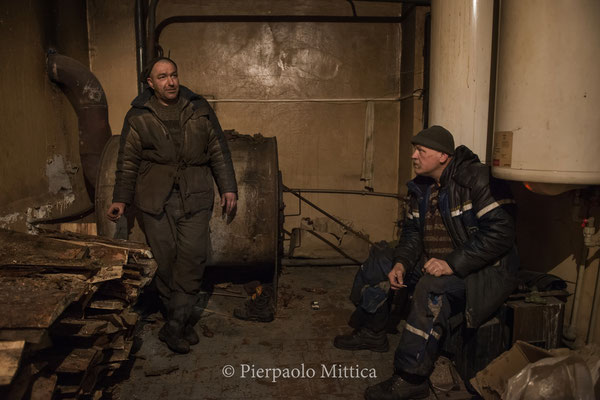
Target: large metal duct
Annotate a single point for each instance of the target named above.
(251, 237)
(461, 62)
(87, 97)
(547, 119)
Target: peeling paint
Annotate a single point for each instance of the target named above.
(59, 175)
(93, 91)
(45, 211)
(9, 219)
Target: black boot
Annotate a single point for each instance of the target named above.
(396, 388)
(189, 333)
(172, 331)
(259, 307)
(363, 339)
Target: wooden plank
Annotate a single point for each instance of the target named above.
(10, 359)
(43, 387)
(36, 336)
(140, 249)
(28, 302)
(72, 327)
(86, 228)
(78, 361)
(120, 355)
(107, 304)
(107, 273)
(18, 248)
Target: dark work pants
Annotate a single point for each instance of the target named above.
(180, 244)
(435, 300)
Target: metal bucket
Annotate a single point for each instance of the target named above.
(251, 237)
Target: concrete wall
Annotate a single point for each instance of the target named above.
(320, 143)
(550, 239)
(40, 171)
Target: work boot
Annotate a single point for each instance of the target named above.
(171, 334)
(363, 339)
(189, 333)
(172, 331)
(259, 307)
(397, 388)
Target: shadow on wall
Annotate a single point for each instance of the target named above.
(549, 227)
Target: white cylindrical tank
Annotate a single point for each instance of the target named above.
(461, 56)
(547, 126)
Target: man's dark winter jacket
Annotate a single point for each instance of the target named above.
(148, 165)
(478, 211)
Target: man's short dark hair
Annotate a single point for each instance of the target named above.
(146, 71)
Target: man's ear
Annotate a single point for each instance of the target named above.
(149, 81)
(443, 158)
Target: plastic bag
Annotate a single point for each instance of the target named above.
(565, 378)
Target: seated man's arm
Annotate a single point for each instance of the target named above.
(495, 234)
(410, 246)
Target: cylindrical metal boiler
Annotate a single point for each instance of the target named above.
(460, 68)
(547, 126)
(251, 237)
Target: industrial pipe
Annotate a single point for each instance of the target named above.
(140, 40)
(87, 97)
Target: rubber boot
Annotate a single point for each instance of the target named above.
(189, 333)
(259, 307)
(172, 331)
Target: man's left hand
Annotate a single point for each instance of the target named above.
(437, 267)
(229, 202)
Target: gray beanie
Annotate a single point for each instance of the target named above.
(436, 138)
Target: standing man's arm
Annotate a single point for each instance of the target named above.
(222, 167)
(128, 164)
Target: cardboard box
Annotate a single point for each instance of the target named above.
(491, 382)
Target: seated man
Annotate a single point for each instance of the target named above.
(456, 250)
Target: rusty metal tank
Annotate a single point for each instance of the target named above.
(250, 237)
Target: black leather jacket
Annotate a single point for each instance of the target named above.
(148, 164)
(478, 212)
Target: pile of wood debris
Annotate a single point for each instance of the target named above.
(66, 317)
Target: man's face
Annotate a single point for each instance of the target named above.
(163, 79)
(428, 162)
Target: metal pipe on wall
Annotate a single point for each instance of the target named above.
(154, 34)
(140, 39)
(151, 41)
(87, 97)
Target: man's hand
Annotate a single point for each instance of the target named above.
(396, 276)
(229, 201)
(115, 211)
(437, 267)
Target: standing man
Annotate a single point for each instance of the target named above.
(457, 250)
(171, 148)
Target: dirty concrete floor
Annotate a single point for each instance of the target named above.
(299, 339)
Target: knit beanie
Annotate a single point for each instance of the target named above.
(436, 138)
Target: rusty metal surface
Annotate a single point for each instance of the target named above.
(247, 239)
(87, 97)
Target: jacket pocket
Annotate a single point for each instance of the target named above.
(198, 179)
(153, 186)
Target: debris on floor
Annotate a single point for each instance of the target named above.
(68, 299)
(528, 372)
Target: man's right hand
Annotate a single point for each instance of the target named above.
(396, 276)
(115, 211)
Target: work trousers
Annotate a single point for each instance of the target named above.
(180, 244)
(434, 301)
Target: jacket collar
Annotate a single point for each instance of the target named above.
(458, 170)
